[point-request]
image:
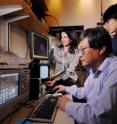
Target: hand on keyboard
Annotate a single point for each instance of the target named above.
(62, 102)
(59, 88)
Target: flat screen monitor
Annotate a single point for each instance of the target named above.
(8, 87)
(39, 46)
(44, 71)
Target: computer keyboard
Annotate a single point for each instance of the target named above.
(46, 110)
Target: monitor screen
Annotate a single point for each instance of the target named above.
(8, 87)
(39, 46)
(44, 71)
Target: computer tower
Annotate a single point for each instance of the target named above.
(34, 80)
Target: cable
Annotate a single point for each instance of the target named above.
(27, 105)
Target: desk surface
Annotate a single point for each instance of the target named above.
(24, 111)
(63, 118)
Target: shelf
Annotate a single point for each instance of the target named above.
(19, 8)
(9, 9)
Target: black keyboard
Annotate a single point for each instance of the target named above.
(46, 110)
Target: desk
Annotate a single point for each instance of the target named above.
(61, 117)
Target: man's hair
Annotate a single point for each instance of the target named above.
(110, 13)
(98, 38)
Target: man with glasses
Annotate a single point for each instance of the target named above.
(110, 24)
(100, 88)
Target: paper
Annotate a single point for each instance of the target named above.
(58, 74)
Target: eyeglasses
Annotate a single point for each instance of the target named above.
(82, 50)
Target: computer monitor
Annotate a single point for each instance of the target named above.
(14, 89)
(44, 71)
(8, 87)
(39, 46)
(9, 93)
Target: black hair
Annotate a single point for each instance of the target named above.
(98, 38)
(110, 13)
(73, 37)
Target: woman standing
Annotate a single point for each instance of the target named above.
(65, 58)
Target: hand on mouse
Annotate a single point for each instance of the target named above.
(59, 88)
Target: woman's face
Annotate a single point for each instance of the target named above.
(65, 39)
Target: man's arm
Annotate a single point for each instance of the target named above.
(100, 108)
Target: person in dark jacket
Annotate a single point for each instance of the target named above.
(110, 24)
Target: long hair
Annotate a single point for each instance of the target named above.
(73, 40)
